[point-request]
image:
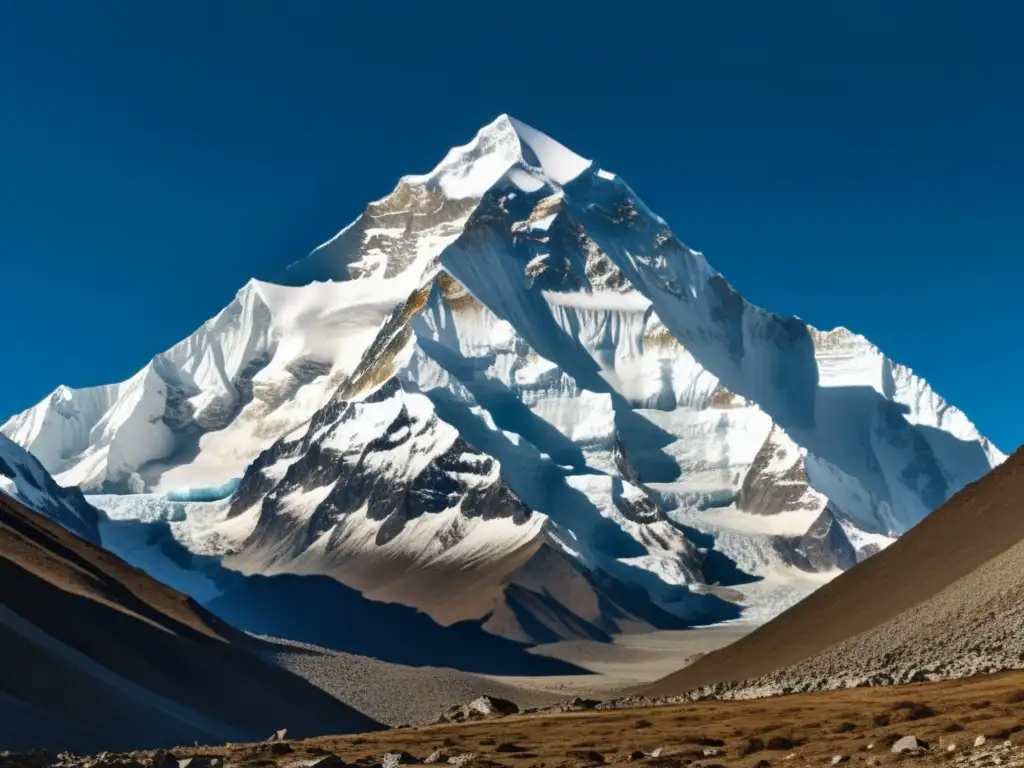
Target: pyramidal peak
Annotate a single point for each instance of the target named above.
(468, 171)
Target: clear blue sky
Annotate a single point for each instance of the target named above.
(854, 163)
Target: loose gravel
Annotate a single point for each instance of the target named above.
(392, 693)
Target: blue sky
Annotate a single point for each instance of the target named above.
(856, 164)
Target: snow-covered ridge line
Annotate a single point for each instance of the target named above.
(256, 370)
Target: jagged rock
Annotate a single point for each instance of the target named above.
(578, 703)
(205, 761)
(837, 759)
(980, 741)
(395, 759)
(481, 708)
(280, 735)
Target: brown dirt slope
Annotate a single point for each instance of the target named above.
(90, 642)
(977, 524)
(860, 724)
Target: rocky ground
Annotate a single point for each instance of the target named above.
(973, 722)
(975, 626)
(392, 693)
(397, 694)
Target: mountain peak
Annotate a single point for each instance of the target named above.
(538, 150)
(469, 170)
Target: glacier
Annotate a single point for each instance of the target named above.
(508, 392)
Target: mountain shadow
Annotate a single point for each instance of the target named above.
(324, 612)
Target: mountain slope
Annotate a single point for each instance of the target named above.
(198, 413)
(524, 302)
(25, 479)
(538, 335)
(99, 656)
(953, 544)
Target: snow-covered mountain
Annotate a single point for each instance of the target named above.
(198, 413)
(24, 478)
(509, 389)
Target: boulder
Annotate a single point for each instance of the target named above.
(330, 761)
(908, 744)
(482, 708)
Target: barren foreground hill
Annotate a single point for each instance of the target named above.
(977, 525)
(97, 655)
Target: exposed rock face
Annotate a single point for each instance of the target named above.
(453, 477)
(824, 547)
(777, 481)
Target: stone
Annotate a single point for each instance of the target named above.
(395, 759)
(837, 759)
(580, 703)
(480, 708)
(980, 741)
(907, 744)
(330, 761)
(203, 761)
(280, 735)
